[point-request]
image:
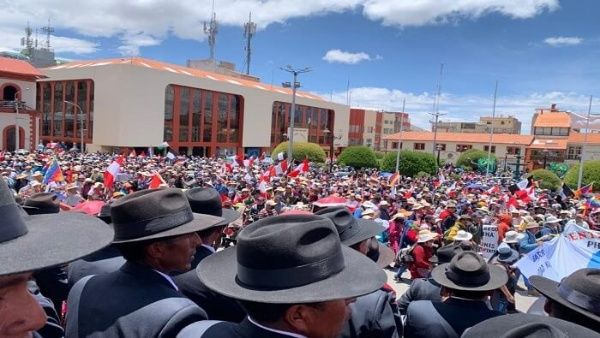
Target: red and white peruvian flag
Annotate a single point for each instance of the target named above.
(281, 168)
(301, 168)
(111, 172)
(249, 162)
(156, 181)
(494, 189)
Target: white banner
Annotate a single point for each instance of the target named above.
(576, 248)
(489, 241)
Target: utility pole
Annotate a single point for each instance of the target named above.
(487, 169)
(585, 136)
(400, 136)
(294, 85)
(435, 112)
(249, 31)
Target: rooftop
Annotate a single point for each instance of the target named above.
(553, 119)
(16, 67)
(462, 137)
(177, 69)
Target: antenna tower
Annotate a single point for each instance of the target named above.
(48, 30)
(249, 31)
(26, 41)
(211, 29)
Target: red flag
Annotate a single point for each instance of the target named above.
(394, 179)
(301, 168)
(111, 172)
(156, 181)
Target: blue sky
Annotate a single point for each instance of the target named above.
(540, 51)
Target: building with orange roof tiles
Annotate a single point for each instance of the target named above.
(138, 102)
(17, 104)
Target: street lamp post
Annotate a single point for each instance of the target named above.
(80, 122)
(545, 157)
(438, 147)
(294, 85)
(329, 136)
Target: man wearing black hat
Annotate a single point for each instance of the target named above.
(24, 248)
(292, 275)
(375, 314)
(155, 230)
(428, 288)
(218, 307)
(576, 298)
(467, 282)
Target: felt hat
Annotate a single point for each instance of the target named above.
(25, 243)
(580, 291)
(469, 271)
(512, 237)
(525, 325)
(42, 203)
(426, 236)
(445, 254)
(350, 229)
(207, 201)
(312, 265)
(506, 254)
(156, 213)
(462, 235)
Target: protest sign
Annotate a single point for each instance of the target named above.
(489, 241)
(576, 248)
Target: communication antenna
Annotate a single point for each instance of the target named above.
(249, 31)
(36, 38)
(211, 29)
(26, 41)
(48, 30)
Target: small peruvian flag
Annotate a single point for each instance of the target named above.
(111, 172)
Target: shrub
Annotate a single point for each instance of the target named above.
(469, 158)
(301, 150)
(411, 163)
(591, 173)
(379, 155)
(546, 178)
(358, 157)
(422, 174)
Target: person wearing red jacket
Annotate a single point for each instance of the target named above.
(504, 226)
(421, 253)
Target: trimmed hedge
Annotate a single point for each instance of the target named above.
(358, 157)
(301, 150)
(411, 163)
(469, 158)
(546, 178)
(591, 173)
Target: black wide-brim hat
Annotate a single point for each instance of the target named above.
(51, 240)
(550, 289)
(207, 201)
(351, 229)
(525, 325)
(290, 259)
(476, 275)
(380, 253)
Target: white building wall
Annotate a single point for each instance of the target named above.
(8, 119)
(129, 104)
(28, 90)
(451, 155)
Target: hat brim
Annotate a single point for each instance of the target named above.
(199, 223)
(53, 239)
(359, 277)
(549, 289)
(368, 229)
(386, 256)
(498, 278)
(514, 256)
(229, 216)
(499, 325)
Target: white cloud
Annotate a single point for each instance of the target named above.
(340, 56)
(63, 44)
(560, 41)
(157, 19)
(460, 107)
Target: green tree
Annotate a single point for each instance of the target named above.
(469, 158)
(546, 179)
(591, 173)
(411, 163)
(358, 157)
(301, 150)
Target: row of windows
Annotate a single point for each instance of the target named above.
(314, 120)
(574, 153)
(552, 131)
(459, 147)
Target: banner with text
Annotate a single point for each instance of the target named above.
(576, 248)
(489, 241)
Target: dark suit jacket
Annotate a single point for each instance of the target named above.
(201, 253)
(217, 307)
(245, 329)
(373, 316)
(451, 318)
(134, 301)
(100, 262)
(420, 289)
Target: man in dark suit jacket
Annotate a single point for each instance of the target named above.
(103, 261)
(467, 281)
(217, 307)
(155, 230)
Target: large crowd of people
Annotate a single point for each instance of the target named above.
(104, 245)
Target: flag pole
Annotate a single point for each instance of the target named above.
(489, 159)
(587, 126)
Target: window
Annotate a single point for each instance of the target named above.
(419, 146)
(442, 146)
(487, 148)
(370, 130)
(513, 150)
(574, 153)
(501, 122)
(394, 145)
(463, 147)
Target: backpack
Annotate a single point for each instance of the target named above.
(405, 256)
